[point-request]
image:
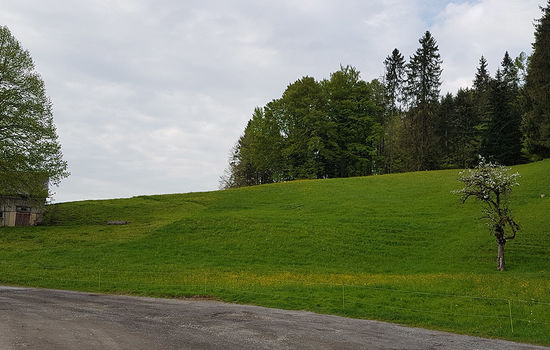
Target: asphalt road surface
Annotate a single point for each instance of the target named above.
(54, 319)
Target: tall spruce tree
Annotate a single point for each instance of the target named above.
(424, 73)
(394, 79)
(481, 96)
(465, 125)
(510, 72)
(503, 141)
(536, 121)
(445, 129)
(422, 91)
(482, 78)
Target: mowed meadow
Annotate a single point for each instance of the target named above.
(399, 247)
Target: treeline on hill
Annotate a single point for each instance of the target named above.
(344, 126)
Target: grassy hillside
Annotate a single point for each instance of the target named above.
(395, 247)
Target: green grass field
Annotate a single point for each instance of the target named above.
(397, 247)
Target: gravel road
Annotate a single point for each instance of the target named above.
(53, 319)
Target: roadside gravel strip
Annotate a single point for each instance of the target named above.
(53, 319)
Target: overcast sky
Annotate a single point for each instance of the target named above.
(150, 96)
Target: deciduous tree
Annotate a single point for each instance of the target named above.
(491, 184)
(30, 153)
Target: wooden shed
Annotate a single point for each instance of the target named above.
(20, 211)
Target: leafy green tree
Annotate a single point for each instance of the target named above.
(238, 173)
(422, 91)
(30, 154)
(536, 120)
(491, 184)
(521, 63)
(308, 146)
(315, 130)
(256, 158)
(263, 142)
(353, 108)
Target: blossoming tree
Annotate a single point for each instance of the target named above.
(491, 184)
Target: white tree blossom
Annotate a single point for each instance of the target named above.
(492, 183)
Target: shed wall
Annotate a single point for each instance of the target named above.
(9, 207)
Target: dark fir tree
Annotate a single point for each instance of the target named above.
(482, 79)
(465, 141)
(445, 129)
(422, 91)
(481, 96)
(424, 73)
(503, 141)
(536, 121)
(394, 78)
(510, 72)
(458, 130)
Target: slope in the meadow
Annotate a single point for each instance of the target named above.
(391, 223)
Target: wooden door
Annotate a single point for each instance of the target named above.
(22, 219)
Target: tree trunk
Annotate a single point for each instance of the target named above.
(500, 258)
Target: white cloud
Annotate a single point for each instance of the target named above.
(467, 30)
